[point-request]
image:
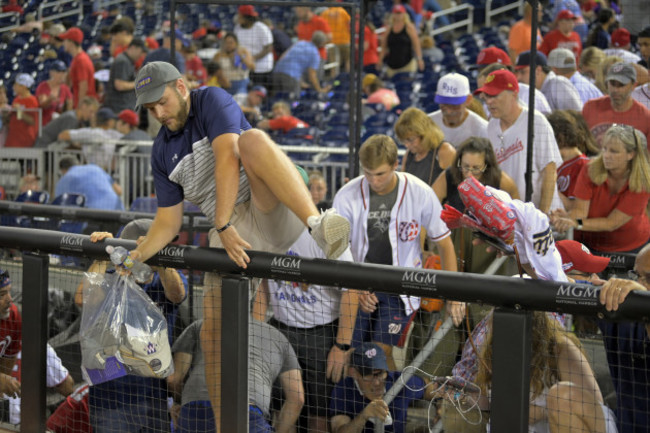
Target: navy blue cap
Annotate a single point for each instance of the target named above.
(369, 357)
(59, 66)
(524, 59)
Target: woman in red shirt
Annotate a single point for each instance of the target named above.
(612, 195)
(23, 125)
(54, 96)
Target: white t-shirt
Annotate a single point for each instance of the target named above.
(627, 56)
(55, 374)
(510, 147)
(254, 40)
(642, 94)
(473, 126)
(318, 305)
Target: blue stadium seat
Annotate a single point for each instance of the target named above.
(70, 200)
(144, 204)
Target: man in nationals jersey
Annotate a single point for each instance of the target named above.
(10, 337)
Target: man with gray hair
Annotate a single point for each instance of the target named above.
(562, 62)
(617, 106)
(302, 59)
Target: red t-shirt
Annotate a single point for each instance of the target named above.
(11, 332)
(73, 414)
(630, 236)
(287, 123)
(600, 116)
(20, 133)
(57, 105)
(304, 31)
(370, 55)
(194, 66)
(567, 174)
(82, 69)
(556, 39)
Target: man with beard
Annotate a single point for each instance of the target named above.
(617, 106)
(208, 154)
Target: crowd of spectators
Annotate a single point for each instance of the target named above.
(590, 94)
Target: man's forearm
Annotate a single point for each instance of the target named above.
(347, 316)
(354, 426)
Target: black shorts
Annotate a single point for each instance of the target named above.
(312, 346)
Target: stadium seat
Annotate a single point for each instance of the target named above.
(144, 204)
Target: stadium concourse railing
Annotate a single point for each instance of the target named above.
(515, 299)
(489, 12)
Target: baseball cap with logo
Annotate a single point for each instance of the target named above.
(576, 256)
(25, 80)
(498, 81)
(151, 80)
(452, 89)
(367, 358)
(247, 10)
(398, 9)
(129, 116)
(620, 38)
(74, 34)
(524, 59)
(565, 14)
(622, 72)
(146, 354)
(260, 91)
(561, 58)
(490, 55)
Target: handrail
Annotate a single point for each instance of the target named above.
(511, 293)
(469, 21)
(489, 12)
(11, 26)
(69, 12)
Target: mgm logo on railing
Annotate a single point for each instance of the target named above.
(71, 243)
(577, 295)
(418, 279)
(286, 265)
(172, 255)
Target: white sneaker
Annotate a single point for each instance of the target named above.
(331, 232)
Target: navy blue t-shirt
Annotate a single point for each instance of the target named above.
(347, 400)
(183, 161)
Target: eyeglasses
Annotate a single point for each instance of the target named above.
(473, 170)
(410, 139)
(378, 376)
(636, 276)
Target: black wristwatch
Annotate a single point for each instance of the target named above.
(343, 347)
(579, 223)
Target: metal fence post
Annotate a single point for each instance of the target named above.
(234, 355)
(35, 285)
(511, 354)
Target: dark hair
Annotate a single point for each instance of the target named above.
(231, 35)
(604, 15)
(123, 24)
(567, 133)
(645, 33)
(591, 147)
(492, 173)
(67, 162)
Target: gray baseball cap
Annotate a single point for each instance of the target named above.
(136, 228)
(151, 80)
(622, 72)
(561, 58)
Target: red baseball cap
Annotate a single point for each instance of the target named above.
(398, 9)
(565, 14)
(74, 34)
(620, 38)
(247, 10)
(130, 117)
(576, 256)
(498, 81)
(490, 55)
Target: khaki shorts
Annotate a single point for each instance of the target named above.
(273, 232)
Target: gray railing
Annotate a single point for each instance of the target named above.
(467, 22)
(489, 12)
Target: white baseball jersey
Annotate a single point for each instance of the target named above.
(254, 40)
(416, 207)
(473, 126)
(534, 238)
(510, 147)
(293, 305)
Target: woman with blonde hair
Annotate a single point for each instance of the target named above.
(400, 44)
(427, 153)
(590, 63)
(564, 394)
(612, 195)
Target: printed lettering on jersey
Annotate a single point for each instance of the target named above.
(542, 241)
(409, 231)
(394, 328)
(506, 152)
(296, 299)
(4, 344)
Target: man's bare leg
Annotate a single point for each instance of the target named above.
(274, 179)
(211, 342)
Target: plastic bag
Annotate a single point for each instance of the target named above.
(122, 330)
